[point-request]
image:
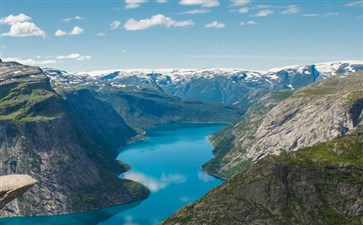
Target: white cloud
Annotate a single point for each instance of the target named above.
(100, 34)
(240, 2)
(161, 1)
(356, 3)
(59, 33)
(115, 25)
(265, 12)
(243, 10)
(75, 31)
(70, 56)
(74, 56)
(155, 20)
(72, 18)
(20, 26)
(203, 3)
(85, 57)
(215, 24)
(129, 220)
(11, 19)
(291, 10)
(204, 177)
(310, 15)
(196, 11)
(31, 62)
(153, 183)
(37, 61)
(265, 6)
(185, 199)
(183, 23)
(24, 29)
(131, 4)
(332, 14)
(250, 22)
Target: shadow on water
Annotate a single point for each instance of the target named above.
(89, 218)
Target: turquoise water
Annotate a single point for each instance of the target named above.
(168, 162)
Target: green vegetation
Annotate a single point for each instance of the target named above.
(29, 101)
(145, 108)
(345, 149)
(333, 86)
(317, 185)
(110, 186)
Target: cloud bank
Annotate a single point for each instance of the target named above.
(156, 20)
(21, 26)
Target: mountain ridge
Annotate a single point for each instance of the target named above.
(236, 87)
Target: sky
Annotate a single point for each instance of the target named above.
(90, 35)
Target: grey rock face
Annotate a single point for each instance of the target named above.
(319, 113)
(12, 186)
(38, 138)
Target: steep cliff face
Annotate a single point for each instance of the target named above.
(318, 113)
(38, 138)
(96, 121)
(146, 108)
(235, 139)
(316, 185)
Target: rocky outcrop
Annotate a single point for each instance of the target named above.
(37, 137)
(225, 141)
(317, 185)
(12, 186)
(318, 113)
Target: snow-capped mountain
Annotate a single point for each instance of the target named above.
(228, 86)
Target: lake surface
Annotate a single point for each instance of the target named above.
(168, 163)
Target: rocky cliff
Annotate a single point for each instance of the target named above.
(318, 113)
(12, 186)
(235, 139)
(38, 137)
(316, 185)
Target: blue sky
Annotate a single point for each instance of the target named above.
(90, 35)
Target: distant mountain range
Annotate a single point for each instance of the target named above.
(228, 86)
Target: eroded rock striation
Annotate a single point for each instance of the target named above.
(39, 138)
(277, 124)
